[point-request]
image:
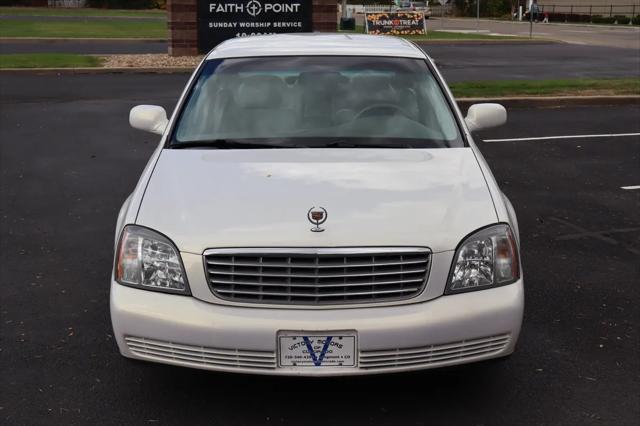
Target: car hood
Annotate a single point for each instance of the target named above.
(260, 198)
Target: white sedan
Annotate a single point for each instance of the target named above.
(316, 206)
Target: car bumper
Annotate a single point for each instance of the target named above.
(185, 331)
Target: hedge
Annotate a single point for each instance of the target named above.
(126, 4)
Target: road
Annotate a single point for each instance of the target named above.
(94, 47)
(458, 62)
(45, 18)
(464, 62)
(68, 159)
(623, 36)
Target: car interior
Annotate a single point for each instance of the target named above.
(329, 104)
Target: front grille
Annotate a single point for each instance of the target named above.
(317, 276)
(434, 354)
(199, 355)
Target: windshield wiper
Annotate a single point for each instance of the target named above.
(345, 144)
(229, 144)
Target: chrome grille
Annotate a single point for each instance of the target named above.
(317, 276)
(198, 355)
(434, 354)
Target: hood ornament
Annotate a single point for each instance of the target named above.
(317, 216)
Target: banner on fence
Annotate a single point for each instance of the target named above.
(396, 23)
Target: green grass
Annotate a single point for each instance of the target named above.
(45, 11)
(48, 60)
(84, 29)
(580, 87)
(446, 35)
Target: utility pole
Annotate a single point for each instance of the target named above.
(531, 20)
(477, 16)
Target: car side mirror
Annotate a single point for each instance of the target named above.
(485, 116)
(150, 118)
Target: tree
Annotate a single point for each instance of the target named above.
(491, 8)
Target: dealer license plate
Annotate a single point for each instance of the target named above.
(298, 349)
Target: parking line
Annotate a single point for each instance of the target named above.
(543, 138)
(630, 187)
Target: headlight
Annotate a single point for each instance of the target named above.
(148, 260)
(487, 258)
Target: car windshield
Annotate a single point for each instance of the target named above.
(316, 102)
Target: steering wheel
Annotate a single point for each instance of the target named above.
(380, 107)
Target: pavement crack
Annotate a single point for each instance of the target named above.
(599, 235)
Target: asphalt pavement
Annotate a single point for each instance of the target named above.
(532, 61)
(80, 46)
(626, 36)
(68, 159)
(88, 18)
(458, 61)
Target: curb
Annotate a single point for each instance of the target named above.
(533, 41)
(552, 101)
(566, 24)
(514, 40)
(96, 70)
(72, 39)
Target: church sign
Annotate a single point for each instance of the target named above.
(224, 19)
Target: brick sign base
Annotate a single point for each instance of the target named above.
(183, 25)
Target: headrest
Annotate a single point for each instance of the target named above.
(260, 91)
(322, 80)
(369, 83)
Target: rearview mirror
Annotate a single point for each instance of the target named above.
(150, 118)
(485, 116)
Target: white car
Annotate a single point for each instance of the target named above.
(316, 206)
(415, 6)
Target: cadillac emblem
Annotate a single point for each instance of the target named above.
(317, 216)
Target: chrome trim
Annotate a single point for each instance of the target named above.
(314, 250)
(433, 354)
(417, 287)
(328, 284)
(199, 355)
(272, 275)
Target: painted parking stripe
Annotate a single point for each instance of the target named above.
(630, 187)
(544, 138)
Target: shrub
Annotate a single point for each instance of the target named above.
(622, 20)
(491, 8)
(123, 4)
(603, 19)
(33, 3)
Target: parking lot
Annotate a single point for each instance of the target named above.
(68, 159)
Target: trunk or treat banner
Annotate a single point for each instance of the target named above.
(396, 23)
(224, 19)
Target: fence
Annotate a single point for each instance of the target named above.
(592, 10)
(436, 10)
(67, 3)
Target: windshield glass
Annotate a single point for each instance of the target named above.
(315, 102)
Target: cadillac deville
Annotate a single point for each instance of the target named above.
(316, 206)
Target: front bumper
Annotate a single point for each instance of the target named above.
(185, 331)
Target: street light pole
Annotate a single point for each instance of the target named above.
(477, 16)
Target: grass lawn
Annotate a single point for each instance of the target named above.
(48, 60)
(578, 87)
(446, 35)
(45, 11)
(117, 28)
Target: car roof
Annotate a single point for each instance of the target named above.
(316, 44)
